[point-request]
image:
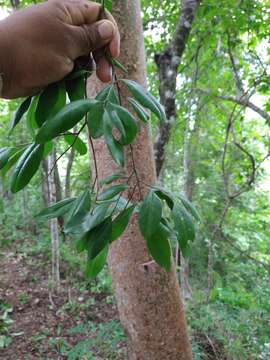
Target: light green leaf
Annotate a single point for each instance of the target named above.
(108, 94)
(112, 192)
(111, 178)
(139, 110)
(190, 207)
(58, 209)
(77, 143)
(146, 99)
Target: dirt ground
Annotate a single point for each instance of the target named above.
(42, 321)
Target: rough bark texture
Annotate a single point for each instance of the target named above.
(148, 298)
(168, 62)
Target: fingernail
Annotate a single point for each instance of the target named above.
(106, 30)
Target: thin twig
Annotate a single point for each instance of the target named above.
(67, 150)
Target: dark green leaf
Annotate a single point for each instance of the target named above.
(115, 148)
(95, 120)
(77, 73)
(165, 195)
(100, 213)
(139, 110)
(77, 143)
(184, 226)
(58, 209)
(76, 88)
(190, 208)
(159, 246)
(26, 167)
(12, 160)
(95, 265)
(112, 192)
(150, 214)
(66, 119)
(129, 127)
(120, 223)
(5, 154)
(51, 100)
(20, 112)
(98, 238)
(111, 178)
(78, 212)
(146, 99)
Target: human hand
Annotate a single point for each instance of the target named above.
(39, 44)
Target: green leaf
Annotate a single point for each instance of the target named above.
(150, 213)
(115, 148)
(120, 66)
(48, 147)
(184, 226)
(26, 167)
(58, 209)
(12, 161)
(112, 192)
(20, 112)
(120, 223)
(146, 99)
(77, 143)
(139, 110)
(108, 94)
(31, 115)
(5, 154)
(76, 73)
(190, 207)
(159, 246)
(94, 266)
(99, 214)
(51, 100)
(111, 178)
(76, 88)
(78, 212)
(130, 128)
(64, 120)
(95, 120)
(98, 238)
(165, 195)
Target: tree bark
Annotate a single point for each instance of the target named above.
(148, 298)
(53, 226)
(168, 62)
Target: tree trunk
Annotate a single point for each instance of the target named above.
(53, 226)
(148, 298)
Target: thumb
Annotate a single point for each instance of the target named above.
(89, 38)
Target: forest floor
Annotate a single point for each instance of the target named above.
(34, 324)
